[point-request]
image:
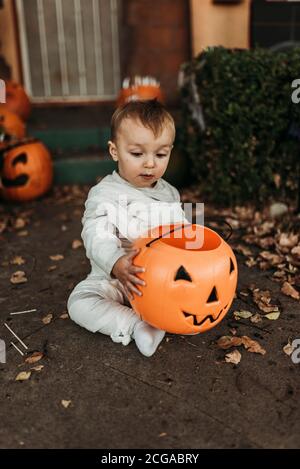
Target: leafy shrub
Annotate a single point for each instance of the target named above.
(246, 151)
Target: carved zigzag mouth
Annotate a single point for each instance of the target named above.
(210, 317)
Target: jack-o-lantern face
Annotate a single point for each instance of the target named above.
(27, 170)
(140, 88)
(11, 127)
(17, 100)
(190, 285)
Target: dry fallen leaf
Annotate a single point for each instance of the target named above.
(250, 262)
(277, 180)
(263, 300)
(65, 403)
(19, 223)
(242, 314)
(35, 357)
(274, 259)
(76, 244)
(288, 348)
(264, 265)
(37, 368)
(47, 319)
(64, 316)
(263, 228)
(288, 290)
(251, 345)
(288, 240)
(17, 260)
(226, 341)
(243, 250)
(52, 267)
(233, 357)
(296, 251)
(267, 242)
(18, 277)
(22, 233)
(3, 225)
(23, 376)
(56, 257)
(272, 316)
(256, 318)
(279, 274)
(162, 434)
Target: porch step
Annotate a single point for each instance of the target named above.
(58, 140)
(81, 170)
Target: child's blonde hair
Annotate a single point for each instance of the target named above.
(151, 113)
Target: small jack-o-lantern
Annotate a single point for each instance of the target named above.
(140, 88)
(17, 100)
(27, 170)
(191, 277)
(11, 127)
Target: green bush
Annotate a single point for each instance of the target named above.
(245, 152)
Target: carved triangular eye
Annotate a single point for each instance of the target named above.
(213, 296)
(21, 158)
(231, 266)
(182, 274)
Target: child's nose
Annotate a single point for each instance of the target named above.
(149, 163)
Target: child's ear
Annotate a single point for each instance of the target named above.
(112, 150)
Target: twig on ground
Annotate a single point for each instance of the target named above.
(17, 348)
(13, 333)
(23, 312)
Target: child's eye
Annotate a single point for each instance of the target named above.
(136, 154)
(161, 155)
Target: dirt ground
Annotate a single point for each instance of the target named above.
(87, 391)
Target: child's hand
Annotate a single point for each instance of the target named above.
(125, 271)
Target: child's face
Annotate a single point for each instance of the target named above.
(142, 158)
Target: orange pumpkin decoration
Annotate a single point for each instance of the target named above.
(27, 170)
(11, 126)
(140, 88)
(17, 100)
(189, 285)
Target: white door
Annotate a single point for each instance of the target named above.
(69, 49)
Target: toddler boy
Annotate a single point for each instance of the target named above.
(119, 209)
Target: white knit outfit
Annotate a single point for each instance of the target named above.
(117, 213)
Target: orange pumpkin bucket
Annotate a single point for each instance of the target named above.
(191, 277)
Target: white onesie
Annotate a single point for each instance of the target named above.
(117, 213)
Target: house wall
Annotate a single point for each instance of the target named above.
(8, 41)
(155, 40)
(219, 25)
